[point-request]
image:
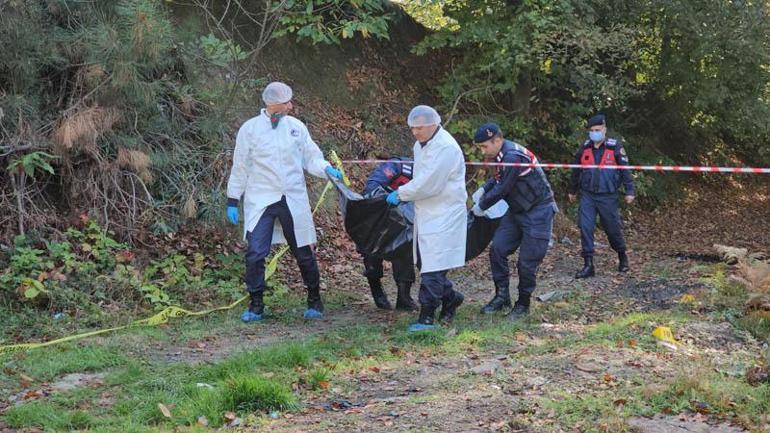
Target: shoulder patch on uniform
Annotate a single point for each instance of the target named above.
(611, 142)
(623, 151)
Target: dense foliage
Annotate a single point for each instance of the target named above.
(109, 108)
(687, 78)
(117, 110)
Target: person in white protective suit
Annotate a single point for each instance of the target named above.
(438, 192)
(272, 151)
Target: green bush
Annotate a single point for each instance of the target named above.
(671, 76)
(85, 269)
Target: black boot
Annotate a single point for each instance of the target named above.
(518, 312)
(424, 321)
(588, 268)
(622, 262)
(315, 308)
(379, 296)
(502, 299)
(404, 300)
(256, 304)
(520, 308)
(256, 311)
(449, 307)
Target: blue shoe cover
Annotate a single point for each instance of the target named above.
(312, 313)
(249, 316)
(417, 327)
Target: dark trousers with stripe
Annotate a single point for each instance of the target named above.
(260, 240)
(606, 206)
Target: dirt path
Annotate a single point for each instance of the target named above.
(511, 387)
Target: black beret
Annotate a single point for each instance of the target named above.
(486, 132)
(599, 119)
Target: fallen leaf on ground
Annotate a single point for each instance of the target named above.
(164, 410)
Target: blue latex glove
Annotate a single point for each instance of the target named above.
(392, 198)
(333, 172)
(232, 214)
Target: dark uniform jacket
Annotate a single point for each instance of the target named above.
(521, 187)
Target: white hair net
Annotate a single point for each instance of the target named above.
(423, 115)
(276, 93)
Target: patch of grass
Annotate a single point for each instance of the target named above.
(699, 389)
(127, 426)
(666, 269)
(423, 339)
(757, 323)
(47, 415)
(140, 406)
(132, 372)
(283, 355)
(637, 326)
(725, 293)
(319, 378)
(241, 394)
(595, 412)
(286, 355)
(483, 333)
(252, 394)
(193, 328)
(75, 398)
(572, 304)
(48, 363)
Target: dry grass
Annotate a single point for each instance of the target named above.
(190, 208)
(134, 160)
(756, 275)
(93, 74)
(81, 129)
(137, 162)
(187, 105)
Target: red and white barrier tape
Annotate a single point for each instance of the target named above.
(674, 168)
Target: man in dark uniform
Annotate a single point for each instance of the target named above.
(599, 193)
(527, 224)
(388, 177)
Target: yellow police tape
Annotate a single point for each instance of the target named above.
(174, 310)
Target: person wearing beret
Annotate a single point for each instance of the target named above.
(526, 226)
(598, 189)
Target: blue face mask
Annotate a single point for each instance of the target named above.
(596, 136)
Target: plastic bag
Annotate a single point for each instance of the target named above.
(480, 233)
(378, 229)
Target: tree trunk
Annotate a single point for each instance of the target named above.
(18, 191)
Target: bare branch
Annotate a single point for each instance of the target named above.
(460, 97)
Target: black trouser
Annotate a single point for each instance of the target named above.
(401, 259)
(260, 240)
(606, 206)
(529, 232)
